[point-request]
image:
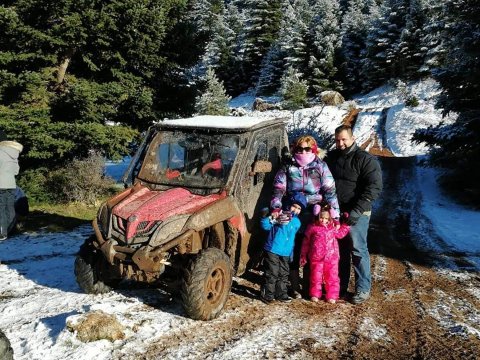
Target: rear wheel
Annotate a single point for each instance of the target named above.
(88, 265)
(207, 284)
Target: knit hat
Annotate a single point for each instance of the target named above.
(12, 144)
(299, 199)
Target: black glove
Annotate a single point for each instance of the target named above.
(344, 217)
(351, 221)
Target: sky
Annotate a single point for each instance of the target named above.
(39, 294)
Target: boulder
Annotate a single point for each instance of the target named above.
(332, 98)
(6, 352)
(262, 105)
(238, 111)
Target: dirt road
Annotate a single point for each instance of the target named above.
(417, 309)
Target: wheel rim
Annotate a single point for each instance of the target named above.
(215, 285)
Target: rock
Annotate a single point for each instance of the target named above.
(238, 111)
(6, 352)
(262, 105)
(96, 325)
(331, 97)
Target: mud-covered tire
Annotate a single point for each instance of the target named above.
(6, 351)
(207, 284)
(87, 270)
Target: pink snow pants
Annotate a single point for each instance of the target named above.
(325, 271)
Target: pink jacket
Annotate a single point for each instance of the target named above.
(320, 242)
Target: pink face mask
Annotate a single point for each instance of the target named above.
(304, 158)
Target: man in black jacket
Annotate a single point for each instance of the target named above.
(358, 179)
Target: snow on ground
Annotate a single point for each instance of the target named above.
(38, 292)
(401, 120)
(456, 225)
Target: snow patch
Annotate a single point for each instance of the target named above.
(380, 268)
(445, 310)
(370, 329)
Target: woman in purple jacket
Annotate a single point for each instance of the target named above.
(307, 174)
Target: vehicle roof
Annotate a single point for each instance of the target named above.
(222, 123)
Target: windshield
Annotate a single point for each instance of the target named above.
(190, 159)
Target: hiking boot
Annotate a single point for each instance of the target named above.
(331, 301)
(285, 299)
(266, 301)
(295, 294)
(3, 237)
(314, 299)
(360, 297)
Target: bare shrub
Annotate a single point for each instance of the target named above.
(96, 325)
(82, 180)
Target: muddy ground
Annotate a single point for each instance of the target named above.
(417, 310)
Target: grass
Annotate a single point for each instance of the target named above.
(57, 217)
(75, 210)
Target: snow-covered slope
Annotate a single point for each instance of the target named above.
(401, 120)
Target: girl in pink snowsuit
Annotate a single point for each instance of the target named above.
(320, 249)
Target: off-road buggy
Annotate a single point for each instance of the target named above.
(190, 218)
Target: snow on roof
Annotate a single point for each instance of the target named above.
(219, 122)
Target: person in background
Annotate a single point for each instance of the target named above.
(279, 249)
(308, 174)
(214, 167)
(9, 168)
(358, 179)
(320, 250)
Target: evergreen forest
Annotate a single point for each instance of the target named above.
(71, 69)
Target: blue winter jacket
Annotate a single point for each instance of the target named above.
(281, 238)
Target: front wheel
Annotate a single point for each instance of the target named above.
(207, 284)
(88, 270)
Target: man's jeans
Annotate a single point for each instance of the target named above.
(353, 248)
(7, 210)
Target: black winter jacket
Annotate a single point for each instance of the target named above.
(358, 179)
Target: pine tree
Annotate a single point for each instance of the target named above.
(433, 40)
(290, 49)
(292, 37)
(381, 57)
(294, 90)
(411, 55)
(68, 69)
(222, 49)
(271, 71)
(263, 18)
(325, 45)
(213, 101)
(355, 24)
(457, 146)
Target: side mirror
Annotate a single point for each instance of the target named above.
(261, 166)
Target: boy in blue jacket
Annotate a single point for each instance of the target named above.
(279, 248)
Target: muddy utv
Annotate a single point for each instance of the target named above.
(190, 216)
